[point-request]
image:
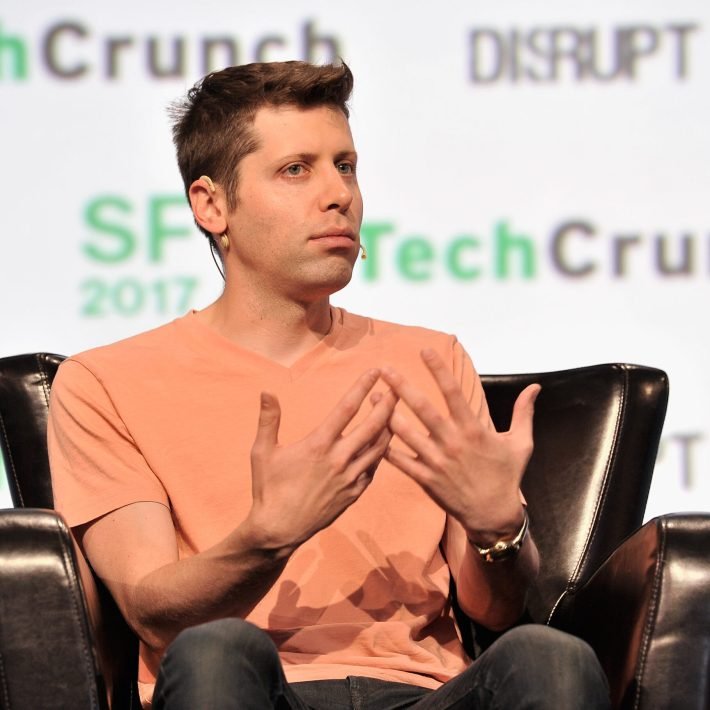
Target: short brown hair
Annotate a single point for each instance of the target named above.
(212, 125)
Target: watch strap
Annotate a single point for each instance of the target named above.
(505, 549)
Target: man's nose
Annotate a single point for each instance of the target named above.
(337, 192)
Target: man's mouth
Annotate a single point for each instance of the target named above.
(336, 233)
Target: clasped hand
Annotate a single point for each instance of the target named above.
(472, 471)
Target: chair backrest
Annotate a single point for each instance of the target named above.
(25, 381)
(596, 431)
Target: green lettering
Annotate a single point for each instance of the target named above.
(120, 240)
(453, 257)
(507, 243)
(414, 258)
(16, 49)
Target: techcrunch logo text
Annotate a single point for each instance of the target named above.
(564, 53)
(69, 50)
(574, 249)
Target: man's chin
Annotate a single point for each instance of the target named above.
(325, 284)
(335, 285)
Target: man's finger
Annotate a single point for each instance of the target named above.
(417, 401)
(422, 445)
(267, 433)
(369, 459)
(455, 400)
(523, 411)
(371, 428)
(349, 405)
(410, 465)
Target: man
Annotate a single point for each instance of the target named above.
(274, 459)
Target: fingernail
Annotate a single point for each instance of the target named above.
(536, 394)
(391, 374)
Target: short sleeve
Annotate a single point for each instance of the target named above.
(95, 464)
(470, 382)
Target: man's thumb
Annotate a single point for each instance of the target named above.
(267, 434)
(524, 408)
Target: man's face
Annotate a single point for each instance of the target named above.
(295, 230)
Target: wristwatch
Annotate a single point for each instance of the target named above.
(505, 549)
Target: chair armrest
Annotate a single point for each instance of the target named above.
(47, 655)
(646, 614)
(63, 642)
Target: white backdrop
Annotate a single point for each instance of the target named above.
(536, 178)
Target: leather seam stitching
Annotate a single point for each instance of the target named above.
(10, 458)
(45, 378)
(78, 617)
(591, 535)
(652, 614)
(3, 684)
(555, 606)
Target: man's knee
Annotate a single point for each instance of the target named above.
(225, 641)
(219, 664)
(544, 645)
(554, 663)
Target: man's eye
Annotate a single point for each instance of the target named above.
(294, 170)
(346, 168)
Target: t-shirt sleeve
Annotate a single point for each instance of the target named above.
(470, 382)
(95, 464)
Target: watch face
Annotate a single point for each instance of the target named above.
(503, 550)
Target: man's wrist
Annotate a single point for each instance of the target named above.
(262, 541)
(493, 547)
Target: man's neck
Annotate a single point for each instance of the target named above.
(282, 332)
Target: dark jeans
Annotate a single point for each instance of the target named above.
(232, 664)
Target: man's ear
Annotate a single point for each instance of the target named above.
(208, 205)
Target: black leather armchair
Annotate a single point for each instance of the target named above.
(53, 652)
(637, 594)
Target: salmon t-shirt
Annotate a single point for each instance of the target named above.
(170, 416)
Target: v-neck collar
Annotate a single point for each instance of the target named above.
(212, 344)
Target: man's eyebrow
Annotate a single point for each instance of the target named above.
(312, 157)
(306, 157)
